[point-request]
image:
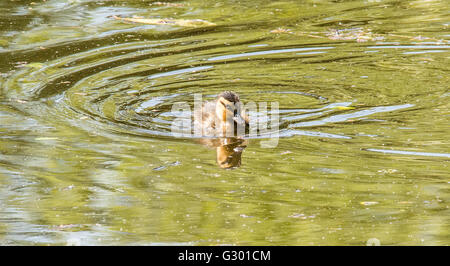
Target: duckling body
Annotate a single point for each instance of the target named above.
(221, 117)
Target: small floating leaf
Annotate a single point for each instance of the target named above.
(163, 21)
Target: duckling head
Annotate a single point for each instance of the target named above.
(229, 108)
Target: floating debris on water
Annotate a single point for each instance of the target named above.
(167, 4)
(387, 171)
(281, 30)
(301, 216)
(369, 203)
(358, 34)
(164, 21)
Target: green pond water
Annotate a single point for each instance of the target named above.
(86, 151)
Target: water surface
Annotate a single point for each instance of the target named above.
(86, 151)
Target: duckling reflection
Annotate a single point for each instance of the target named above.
(228, 151)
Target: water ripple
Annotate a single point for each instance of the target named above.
(415, 153)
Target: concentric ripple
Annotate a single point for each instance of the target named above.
(132, 87)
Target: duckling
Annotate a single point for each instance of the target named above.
(222, 117)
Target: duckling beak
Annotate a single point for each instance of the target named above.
(239, 120)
